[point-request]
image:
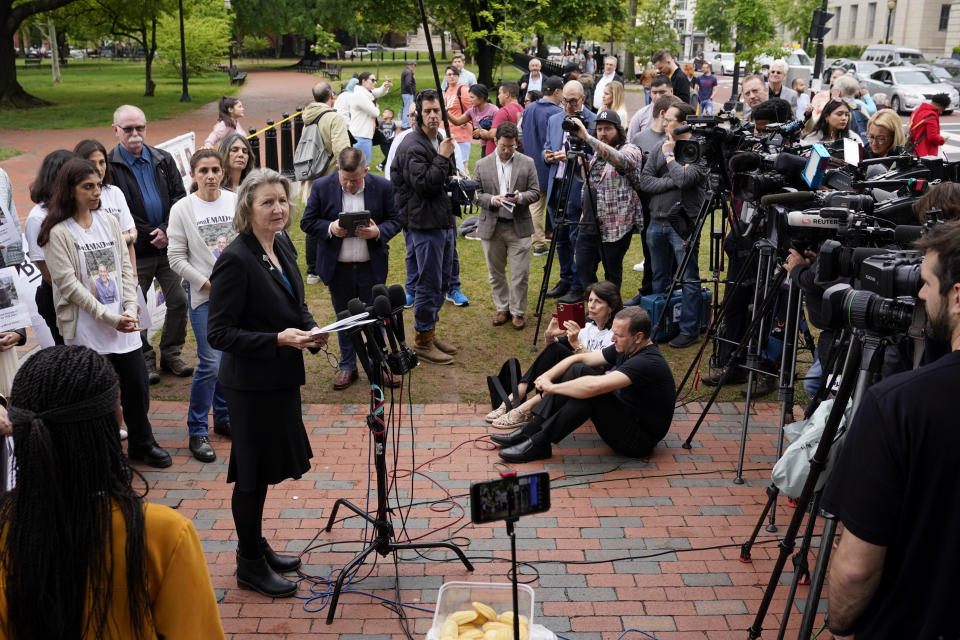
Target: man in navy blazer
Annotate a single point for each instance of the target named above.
(535, 118)
(351, 266)
(555, 157)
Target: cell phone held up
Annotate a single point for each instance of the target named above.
(350, 221)
(510, 497)
(571, 311)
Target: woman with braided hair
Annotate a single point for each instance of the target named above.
(81, 554)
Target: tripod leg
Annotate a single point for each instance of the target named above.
(435, 545)
(746, 547)
(819, 575)
(801, 570)
(352, 507)
(335, 594)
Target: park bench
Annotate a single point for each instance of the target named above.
(35, 61)
(333, 71)
(236, 76)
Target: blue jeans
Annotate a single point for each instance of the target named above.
(666, 245)
(404, 118)
(413, 272)
(811, 384)
(205, 390)
(350, 280)
(706, 107)
(567, 241)
(433, 251)
(365, 145)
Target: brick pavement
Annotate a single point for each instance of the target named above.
(651, 524)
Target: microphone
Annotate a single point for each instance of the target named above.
(682, 129)
(801, 219)
(745, 161)
(398, 300)
(381, 306)
(357, 340)
(796, 198)
(375, 344)
(905, 233)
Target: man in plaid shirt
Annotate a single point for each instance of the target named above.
(609, 198)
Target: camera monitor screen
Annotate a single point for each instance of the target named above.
(509, 498)
(816, 165)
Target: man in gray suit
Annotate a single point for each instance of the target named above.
(775, 84)
(507, 184)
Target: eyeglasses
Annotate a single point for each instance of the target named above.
(140, 128)
(573, 102)
(878, 139)
(666, 119)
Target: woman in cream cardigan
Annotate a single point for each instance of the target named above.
(200, 227)
(76, 241)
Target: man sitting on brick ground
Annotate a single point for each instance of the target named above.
(630, 404)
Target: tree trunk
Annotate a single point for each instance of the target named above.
(54, 51)
(443, 45)
(629, 72)
(11, 93)
(148, 54)
(542, 51)
(487, 49)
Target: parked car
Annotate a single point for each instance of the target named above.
(859, 69)
(944, 74)
(77, 54)
(799, 63)
(722, 63)
(555, 54)
(350, 54)
(373, 46)
(907, 87)
(891, 55)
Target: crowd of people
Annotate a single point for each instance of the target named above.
(553, 169)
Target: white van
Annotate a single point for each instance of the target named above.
(891, 55)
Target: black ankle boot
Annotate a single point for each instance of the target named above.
(280, 564)
(256, 574)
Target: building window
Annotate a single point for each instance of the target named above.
(854, 10)
(944, 16)
(836, 16)
(871, 18)
(680, 5)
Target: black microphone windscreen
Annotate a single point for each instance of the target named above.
(875, 170)
(398, 297)
(379, 290)
(791, 198)
(381, 305)
(682, 129)
(789, 164)
(745, 161)
(905, 233)
(343, 315)
(356, 306)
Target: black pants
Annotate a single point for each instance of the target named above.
(47, 310)
(310, 247)
(174, 331)
(134, 397)
(590, 252)
(550, 356)
(559, 416)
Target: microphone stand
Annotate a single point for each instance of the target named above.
(384, 534)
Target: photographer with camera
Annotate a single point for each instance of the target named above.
(893, 485)
(420, 171)
(557, 143)
(676, 196)
(609, 197)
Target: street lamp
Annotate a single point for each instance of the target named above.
(227, 4)
(185, 96)
(891, 5)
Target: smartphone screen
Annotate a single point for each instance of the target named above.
(510, 497)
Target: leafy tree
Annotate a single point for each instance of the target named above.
(716, 19)
(654, 30)
(795, 17)
(11, 18)
(206, 34)
(747, 23)
(325, 43)
(255, 45)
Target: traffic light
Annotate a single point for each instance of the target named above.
(818, 27)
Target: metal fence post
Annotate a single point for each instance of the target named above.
(270, 147)
(255, 145)
(286, 146)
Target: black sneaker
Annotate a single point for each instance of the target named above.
(575, 295)
(201, 449)
(221, 428)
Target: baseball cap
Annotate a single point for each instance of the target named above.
(609, 115)
(571, 67)
(552, 83)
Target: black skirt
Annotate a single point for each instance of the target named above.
(269, 441)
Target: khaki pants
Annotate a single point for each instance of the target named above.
(538, 211)
(504, 246)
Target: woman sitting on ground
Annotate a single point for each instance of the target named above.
(237, 160)
(230, 110)
(603, 302)
(81, 554)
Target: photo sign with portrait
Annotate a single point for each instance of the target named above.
(14, 313)
(181, 148)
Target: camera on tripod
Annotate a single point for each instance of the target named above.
(711, 139)
(568, 124)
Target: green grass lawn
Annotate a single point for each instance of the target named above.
(92, 89)
(7, 152)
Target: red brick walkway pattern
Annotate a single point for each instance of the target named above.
(651, 519)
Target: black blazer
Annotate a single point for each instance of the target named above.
(249, 305)
(324, 206)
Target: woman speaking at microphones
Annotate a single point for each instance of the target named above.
(259, 320)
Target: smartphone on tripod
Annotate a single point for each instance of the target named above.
(509, 498)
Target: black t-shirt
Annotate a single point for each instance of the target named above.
(652, 390)
(681, 85)
(895, 485)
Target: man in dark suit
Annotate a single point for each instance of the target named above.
(351, 266)
(506, 186)
(555, 155)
